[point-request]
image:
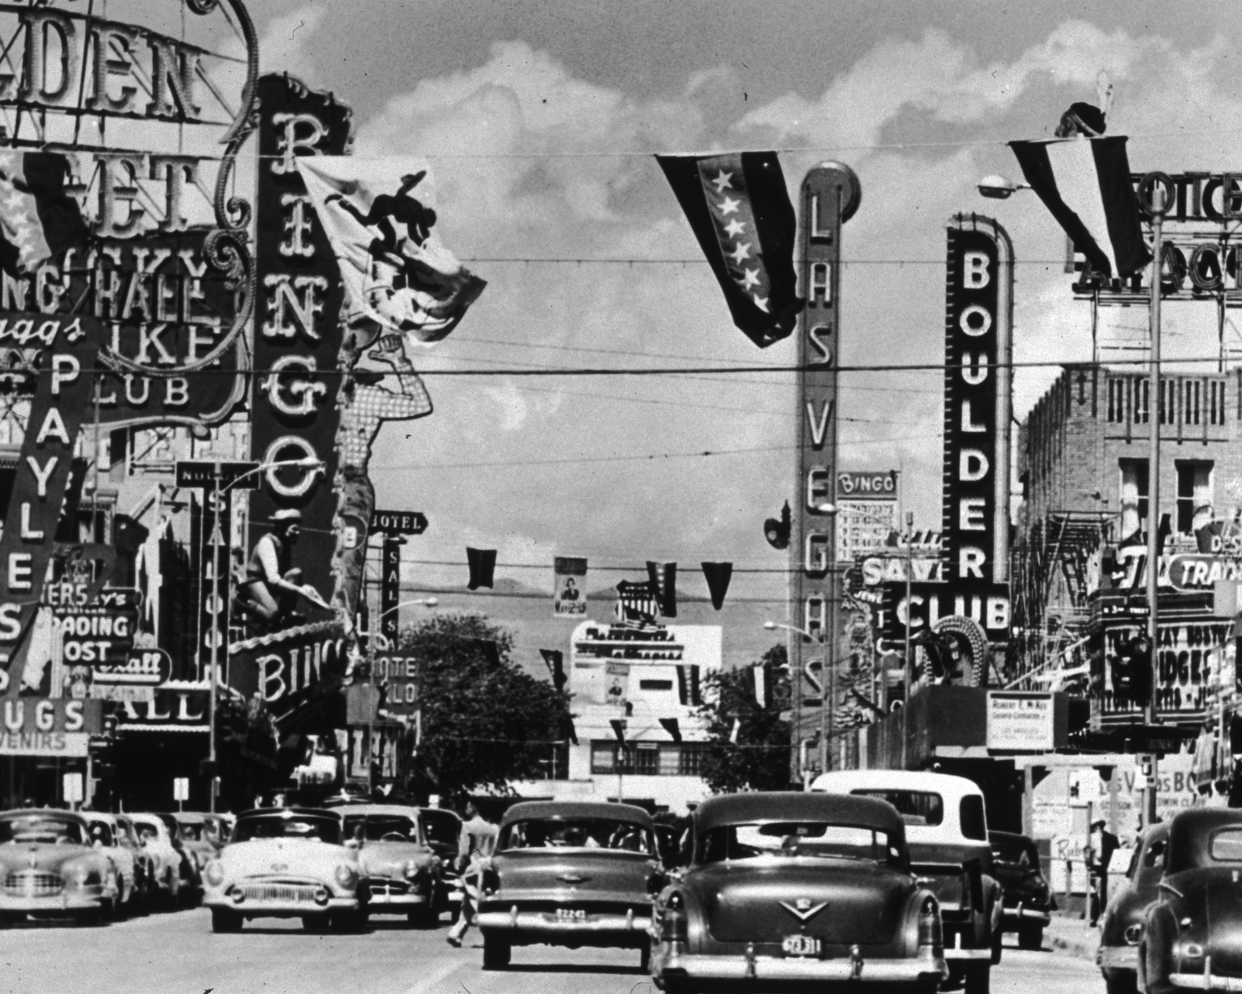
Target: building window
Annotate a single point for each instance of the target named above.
(644, 759)
(1142, 400)
(670, 760)
(603, 757)
(655, 684)
(648, 759)
(1134, 490)
(692, 755)
(1194, 495)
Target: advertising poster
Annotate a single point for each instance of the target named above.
(569, 598)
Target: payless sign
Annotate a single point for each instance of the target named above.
(977, 404)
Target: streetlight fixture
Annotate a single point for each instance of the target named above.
(996, 187)
(308, 463)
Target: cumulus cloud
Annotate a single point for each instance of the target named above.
(283, 46)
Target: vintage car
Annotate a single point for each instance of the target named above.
(130, 868)
(401, 870)
(442, 829)
(1121, 926)
(167, 859)
(286, 863)
(1027, 899)
(1192, 933)
(48, 866)
(199, 835)
(191, 888)
(786, 889)
(569, 873)
(947, 832)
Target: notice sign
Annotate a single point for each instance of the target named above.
(1020, 722)
(569, 595)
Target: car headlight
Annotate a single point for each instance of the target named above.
(214, 874)
(345, 875)
(413, 868)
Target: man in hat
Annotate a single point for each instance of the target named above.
(270, 587)
(1103, 844)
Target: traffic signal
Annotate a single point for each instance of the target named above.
(1131, 670)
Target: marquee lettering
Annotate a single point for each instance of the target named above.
(286, 299)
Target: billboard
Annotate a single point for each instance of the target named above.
(867, 513)
(977, 411)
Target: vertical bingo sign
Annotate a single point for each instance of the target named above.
(829, 197)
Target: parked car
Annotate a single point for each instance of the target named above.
(169, 869)
(199, 836)
(569, 873)
(1027, 899)
(442, 829)
(947, 832)
(191, 889)
(402, 872)
(1192, 933)
(803, 889)
(127, 837)
(286, 863)
(48, 866)
(1121, 926)
(130, 871)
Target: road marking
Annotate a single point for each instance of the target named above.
(435, 978)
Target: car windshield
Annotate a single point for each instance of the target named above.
(296, 827)
(916, 807)
(101, 832)
(577, 833)
(381, 828)
(727, 843)
(148, 830)
(441, 827)
(192, 831)
(41, 828)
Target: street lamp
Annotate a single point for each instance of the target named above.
(827, 694)
(997, 187)
(308, 463)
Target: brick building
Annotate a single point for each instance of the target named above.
(1083, 473)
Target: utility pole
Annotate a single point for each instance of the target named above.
(907, 667)
(216, 636)
(1157, 206)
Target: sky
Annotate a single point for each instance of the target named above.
(540, 120)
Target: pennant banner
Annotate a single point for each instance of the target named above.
(569, 598)
(718, 576)
(482, 564)
(380, 218)
(739, 208)
(1085, 183)
(663, 580)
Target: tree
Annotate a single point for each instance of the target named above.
(485, 721)
(759, 758)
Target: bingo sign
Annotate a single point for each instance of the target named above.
(866, 512)
(401, 672)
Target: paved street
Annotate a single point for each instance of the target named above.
(178, 954)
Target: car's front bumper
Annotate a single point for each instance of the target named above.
(1205, 981)
(1117, 958)
(794, 969)
(957, 952)
(381, 898)
(277, 905)
(536, 923)
(83, 899)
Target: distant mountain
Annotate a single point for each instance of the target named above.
(504, 587)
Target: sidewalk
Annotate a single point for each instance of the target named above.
(1072, 935)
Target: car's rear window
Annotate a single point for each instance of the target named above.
(728, 843)
(577, 833)
(916, 807)
(974, 823)
(381, 828)
(1226, 845)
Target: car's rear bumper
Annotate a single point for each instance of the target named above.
(1117, 958)
(800, 969)
(535, 923)
(1205, 981)
(957, 952)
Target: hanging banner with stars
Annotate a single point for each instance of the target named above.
(739, 209)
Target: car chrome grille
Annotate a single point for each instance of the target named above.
(33, 883)
(392, 888)
(296, 893)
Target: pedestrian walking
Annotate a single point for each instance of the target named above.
(475, 845)
(1099, 855)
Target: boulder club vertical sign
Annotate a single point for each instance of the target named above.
(829, 197)
(977, 415)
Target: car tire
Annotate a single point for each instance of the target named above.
(224, 920)
(1031, 937)
(1120, 981)
(496, 953)
(977, 978)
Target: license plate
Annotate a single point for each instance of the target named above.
(570, 914)
(800, 945)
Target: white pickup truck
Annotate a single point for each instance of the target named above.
(947, 835)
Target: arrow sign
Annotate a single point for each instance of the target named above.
(398, 522)
(202, 473)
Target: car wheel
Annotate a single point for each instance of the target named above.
(223, 920)
(1121, 981)
(644, 962)
(496, 953)
(424, 917)
(978, 978)
(1031, 937)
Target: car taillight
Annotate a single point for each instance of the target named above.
(930, 931)
(673, 923)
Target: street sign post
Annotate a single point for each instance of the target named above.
(181, 791)
(202, 473)
(399, 522)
